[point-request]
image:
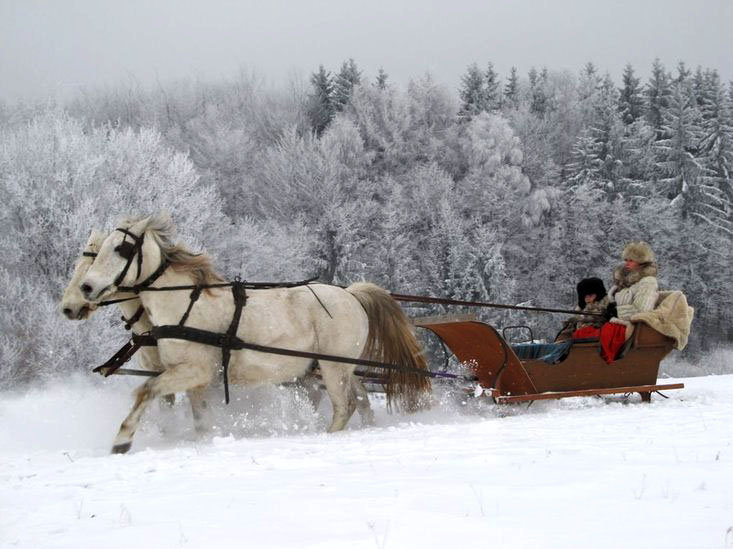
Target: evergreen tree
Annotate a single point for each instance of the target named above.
(699, 85)
(683, 74)
(585, 166)
(716, 151)
(677, 150)
(472, 92)
(511, 90)
(492, 93)
(381, 80)
(588, 87)
(631, 103)
(537, 94)
(657, 95)
(320, 102)
(607, 131)
(343, 84)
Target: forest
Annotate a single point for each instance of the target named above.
(499, 188)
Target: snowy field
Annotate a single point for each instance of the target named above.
(584, 472)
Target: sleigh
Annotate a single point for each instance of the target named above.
(580, 371)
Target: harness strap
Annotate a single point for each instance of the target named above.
(319, 300)
(137, 251)
(195, 294)
(134, 318)
(214, 339)
(240, 299)
(115, 301)
(137, 288)
(118, 359)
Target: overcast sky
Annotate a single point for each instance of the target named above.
(56, 47)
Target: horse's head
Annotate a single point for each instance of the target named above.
(125, 258)
(73, 304)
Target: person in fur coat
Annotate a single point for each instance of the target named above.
(635, 288)
(592, 299)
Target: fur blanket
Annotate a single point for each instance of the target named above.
(672, 317)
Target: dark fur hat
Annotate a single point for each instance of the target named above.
(589, 286)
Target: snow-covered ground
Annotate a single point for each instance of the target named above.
(584, 472)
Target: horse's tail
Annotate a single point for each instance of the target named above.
(391, 340)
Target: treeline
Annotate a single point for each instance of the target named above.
(506, 189)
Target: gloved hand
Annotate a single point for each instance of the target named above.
(610, 312)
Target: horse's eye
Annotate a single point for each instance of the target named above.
(126, 249)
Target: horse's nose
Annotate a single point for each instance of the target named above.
(67, 312)
(86, 289)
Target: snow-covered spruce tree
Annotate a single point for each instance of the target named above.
(657, 95)
(348, 77)
(631, 101)
(538, 101)
(716, 152)
(678, 149)
(511, 90)
(321, 107)
(608, 133)
(493, 90)
(60, 180)
(585, 166)
(381, 79)
(472, 92)
(589, 84)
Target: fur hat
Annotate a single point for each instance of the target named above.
(589, 286)
(638, 251)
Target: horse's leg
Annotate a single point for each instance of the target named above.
(176, 379)
(200, 409)
(362, 401)
(311, 385)
(340, 388)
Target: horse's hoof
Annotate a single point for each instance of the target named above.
(121, 448)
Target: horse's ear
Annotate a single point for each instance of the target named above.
(139, 227)
(96, 237)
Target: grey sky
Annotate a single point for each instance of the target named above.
(56, 47)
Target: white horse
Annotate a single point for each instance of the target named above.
(75, 307)
(361, 321)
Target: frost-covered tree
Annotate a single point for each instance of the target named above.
(716, 153)
(631, 102)
(60, 180)
(585, 167)
(381, 80)
(472, 92)
(511, 90)
(657, 94)
(538, 101)
(678, 149)
(348, 77)
(321, 105)
(493, 90)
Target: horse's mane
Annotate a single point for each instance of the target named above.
(198, 265)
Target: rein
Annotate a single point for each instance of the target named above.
(445, 301)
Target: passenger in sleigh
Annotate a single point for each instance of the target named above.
(635, 290)
(592, 304)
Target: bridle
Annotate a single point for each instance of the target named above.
(130, 251)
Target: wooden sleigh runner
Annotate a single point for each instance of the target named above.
(582, 372)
